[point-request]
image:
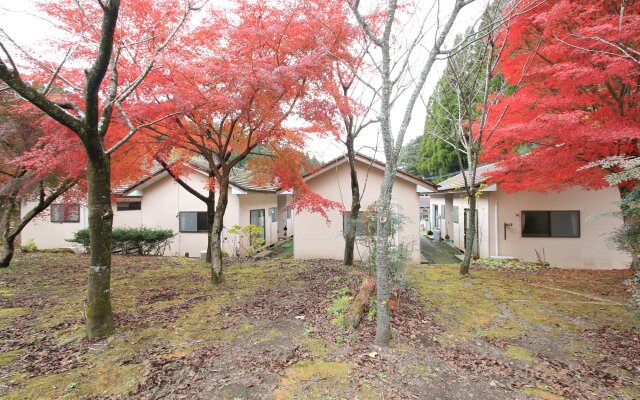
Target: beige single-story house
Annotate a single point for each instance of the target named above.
(567, 229)
(315, 238)
(158, 201)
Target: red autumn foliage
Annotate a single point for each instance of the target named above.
(249, 85)
(579, 101)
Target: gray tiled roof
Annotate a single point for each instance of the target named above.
(457, 181)
(240, 177)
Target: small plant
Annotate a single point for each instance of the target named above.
(30, 247)
(342, 291)
(373, 310)
(246, 240)
(339, 305)
(308, 329)
(339, 321)
(339, 339)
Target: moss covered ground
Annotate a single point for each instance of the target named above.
(270, 332)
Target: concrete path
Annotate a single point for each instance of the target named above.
(431, 254)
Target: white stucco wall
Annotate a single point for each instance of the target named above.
(127, 218)
(47, 234)
(315, 239)
(165, 199)
(591, 250)
(260, 201)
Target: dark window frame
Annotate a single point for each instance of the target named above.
(263, 212)
(120, 206)
(67, 216)
(346, 217)
(550, 214)
(201, 223)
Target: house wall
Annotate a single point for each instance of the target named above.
(285, 218)
(47, 234)
(128, 218)
(314, 238)
(591, 250)
(260, 201)
(162, 202)
(455, 230)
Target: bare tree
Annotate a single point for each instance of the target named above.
(392, 64)
(472, 76)
(91, 123)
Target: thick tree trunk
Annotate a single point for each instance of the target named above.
(350, 235)
(470, 235)
(383, 320)
(7, 248)
(216, 237)
(99, 312)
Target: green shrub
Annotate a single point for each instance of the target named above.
(140, 241)
(30, 247)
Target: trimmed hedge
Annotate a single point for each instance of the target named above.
(141, 241)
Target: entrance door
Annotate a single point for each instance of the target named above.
(256, 217)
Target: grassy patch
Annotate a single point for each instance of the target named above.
(314, 380)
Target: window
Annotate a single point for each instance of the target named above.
(129, 205)
(256, 217)
(456, 215)
(65, 213)
(436, 217)
(274, 214)
(359, 223)
(193, 221)
(550, 223)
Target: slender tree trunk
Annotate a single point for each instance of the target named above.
(470, 233)
(216, 237)
(383, 320)
(350, 235)
(211, 212)
(99, 312)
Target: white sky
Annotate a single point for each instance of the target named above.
(18, 20)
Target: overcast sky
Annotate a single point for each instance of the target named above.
(18, 19)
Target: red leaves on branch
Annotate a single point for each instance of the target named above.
(579, 100)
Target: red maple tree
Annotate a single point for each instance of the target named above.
(249, 75)
(106, 52)
(579, 99)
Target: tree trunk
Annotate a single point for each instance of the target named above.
(216, 237)
(99, 312)
(7, 245)
(211, 212)
(359, 305)
(383, 320)
(350, 235)
(470, 235)
(7, 248)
